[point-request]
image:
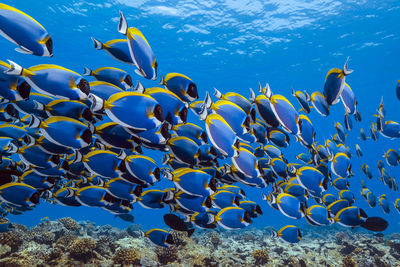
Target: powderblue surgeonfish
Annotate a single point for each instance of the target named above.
(334, 83)
(68, 108)
(236, 98)
(289, 206)
(118, 49)
(174, 109)
(263, 108)
(101, 162)
(121, 189)
(303, 99)
(391, 129)
(278, 137)
(104, 90)
(53, 80)
(318, 101)
(111, 75)
(153, 199)
(384, 203)
(64, 131)
(251, 207)
(19, 194)
(131, 110)
(312, 179)
(318, 215)
(348, 195)
(12, 88)
(289, 233)
(341, 183)
(160, 237)
(193, 182)
(184, 149)
(204, 220)
(141, 53)
(180, 85)
(223, 198)
(392, 157)
(24, 31)
(246, 163)
(192, 131)
(351, 216)
(233, 218)
(285, 113)
(221, 134)
(306, 131)
(142, 168)
(341, 165)
(348, 99)
(91, 196)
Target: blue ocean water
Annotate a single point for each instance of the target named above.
(234, 45)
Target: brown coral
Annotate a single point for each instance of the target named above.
(348, 261)
(261, 256)
(167, 255)
(11, 239)
(65, 240)
(82, 249)
(126, 257)
(214, 239)
(69, 223)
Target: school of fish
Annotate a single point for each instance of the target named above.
(73, 142)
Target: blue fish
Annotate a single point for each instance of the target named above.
(53, 80)
(351, 217)
(181, 85)
(141, 53)
(289, 233)
(111, 75)
(160, 237)
(334, 83)
(19, 194)
(118, 49)
(233, 218)
(25, 31)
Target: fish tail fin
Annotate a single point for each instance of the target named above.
(35, 122)
(122, 155)
(208, 101)
(97, 44)
(169, 195)
(203, 113)
(308, 98)
(274, 234)
(139, 87)
(346, 70)
(87, 72)
(293, 92)
(122, 25)
(252, 96)
(98, 104)
(167, 174)
(165, 159)
(217, 93)
(264, 197)
(38, 105)
(78, 156)
(17, 70)
(162, 81)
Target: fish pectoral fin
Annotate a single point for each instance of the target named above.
(23, 50)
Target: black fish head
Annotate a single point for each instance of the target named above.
(24, 90)
(192, 91)
(158, 113)
(86, 136)
(247, 217)
(183, 114)
(138, 190)
(128, 80)
(87, 114)
(213, 184)
(35, 198)
(49, 46)
(157, 173)
(84, 86)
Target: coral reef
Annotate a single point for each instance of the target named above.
(260, 256)
(126, 256)
(66, 242)
(69, 223)
(82, 249)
